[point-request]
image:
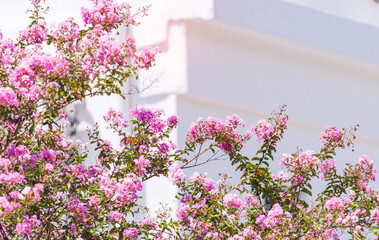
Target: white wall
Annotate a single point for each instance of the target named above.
(363, 11)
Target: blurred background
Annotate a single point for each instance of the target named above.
(219, 57)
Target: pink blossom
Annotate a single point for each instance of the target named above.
(48, 156)
(330, 135)
(335, 203)
(232, 201)
(26, 226)
(107, 14)
(115, 118)
(93, 201)
(368, 169)
(35, 34)
(116, 216)
(207, 183)
(49, 167)
(157, 125)
(142, 114)
(235, 121)
(327, 168)
(122, 192)
(375, 214)
(275, 211)
(73, 228)
(173, 121)
(176, 173)
(37, 190)
(146, 58)
(141, 164)
(148, 222)
(8, 97)
(281, 176)
(263, 131)
(248, 232)
(183, 212)
(131, 233)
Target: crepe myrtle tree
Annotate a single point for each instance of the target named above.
(47, 193)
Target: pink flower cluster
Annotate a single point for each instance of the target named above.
(66, 35)
(173, 121)
(78, 209)
(327, 168)
(176, 173)
(7, 206)
(337, 203)
(264, 130)
(116, 118)
(274, 220)
(281, 176)
(224, 135)
(375, 214)
(339, 215)
(305, 161)
(183, 212)
(141, 164)
(235, 121)
(152, 118)
(233, 202)
(330, 135)
(107, 14)
(8, 97)
(366, 168)
(123, 192)
(26, 226)
(146, 58)
(148, 223)
(48, 156)
(145, 115)
(24, 76)
(131, 233)
(116, 216)
(204, 182)
(300, 165)
(35, 34)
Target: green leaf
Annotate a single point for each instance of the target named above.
(304, 190)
